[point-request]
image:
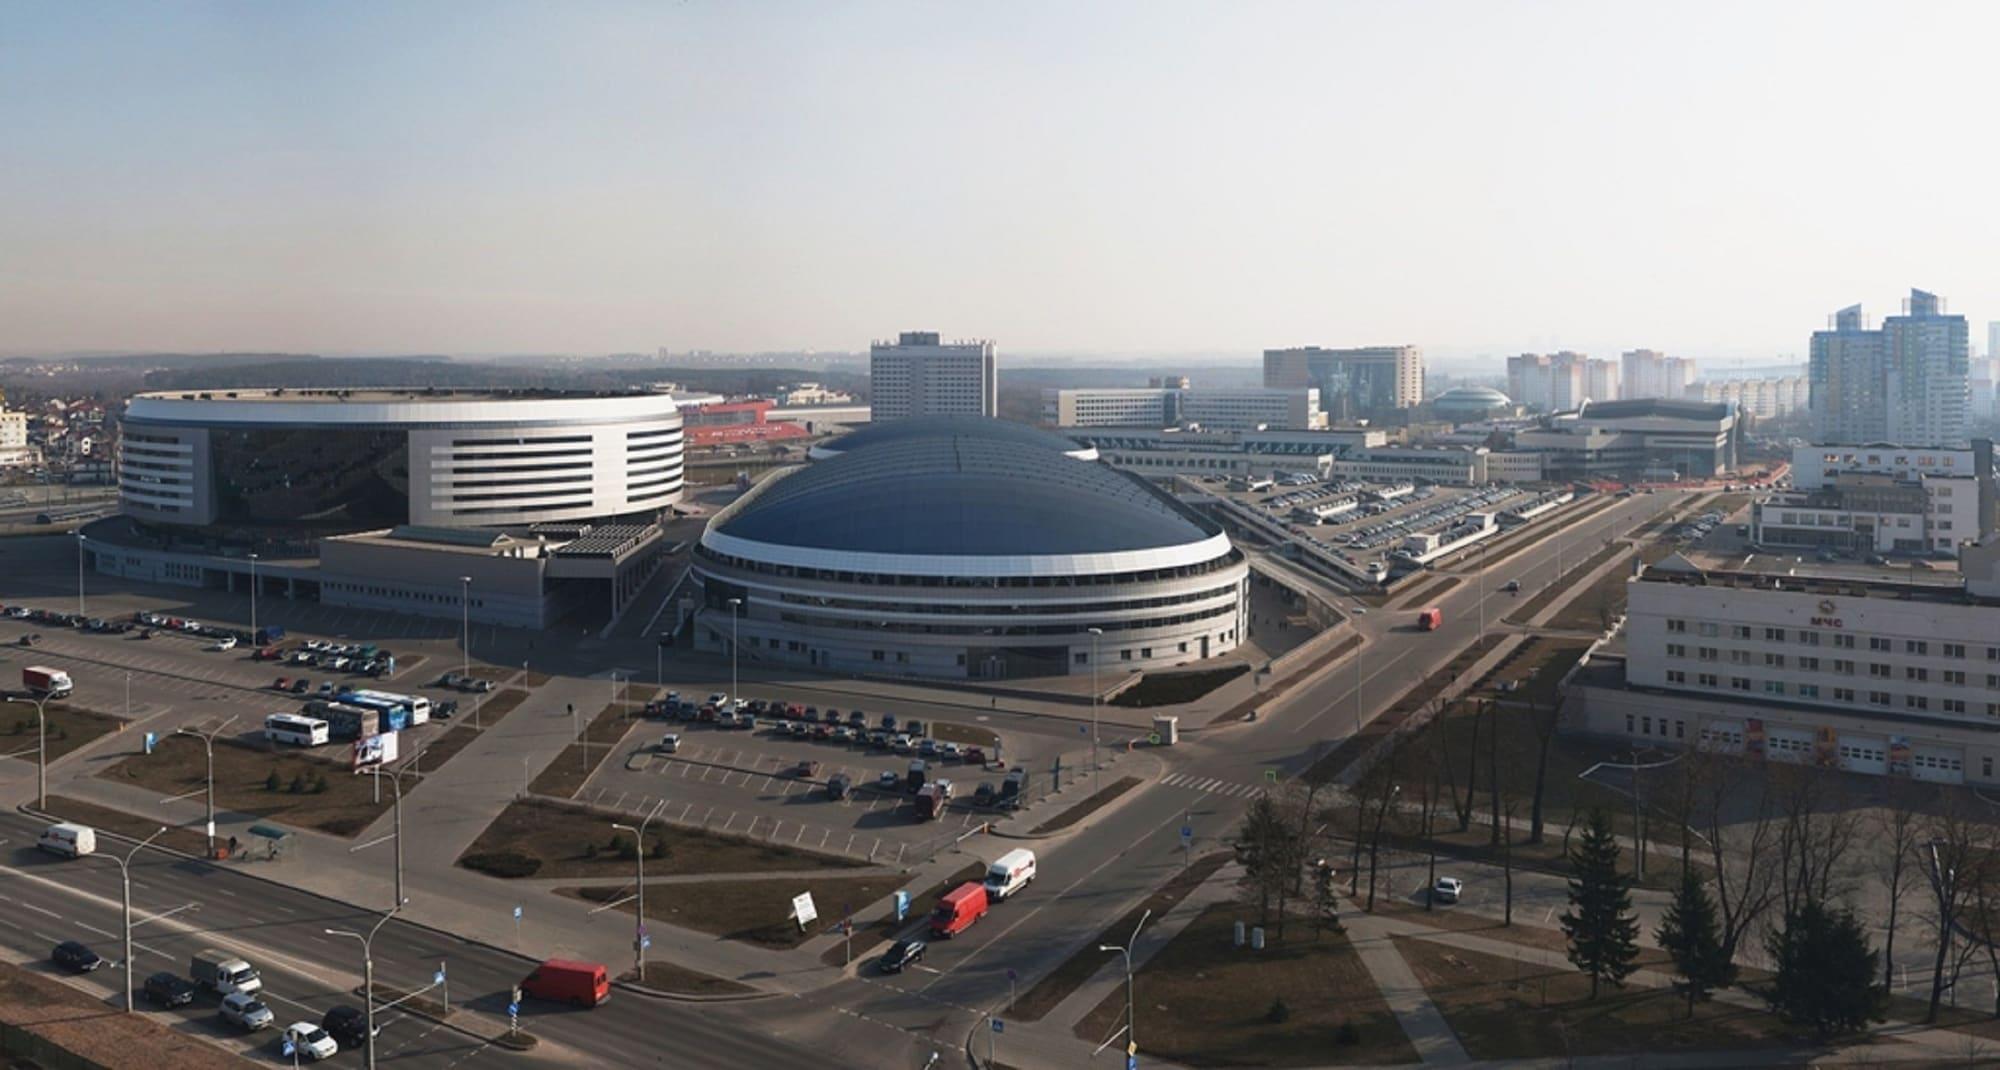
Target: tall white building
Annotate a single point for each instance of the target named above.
(1766, 398)
(1649, 373)
(1156, 407)
(1908, 382)
(1558, 382)
(14, 438)
(917, 375)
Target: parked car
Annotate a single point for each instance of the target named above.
(282, 683)
(670, 743)
(985, 794)
(914, 728)
(347, 1025)
(75, 957)
(301, 685)
(311, 1042)
(951, 751)
(244, 1011)
(1447, 890)
(975, 754)
(890, 780)
(227, 642)
(856, 719)
(901, 954)
(837, 785)
(169, 990)
(806, 769)
(927, 747)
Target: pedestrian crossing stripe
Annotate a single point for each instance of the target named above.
(1211, 785)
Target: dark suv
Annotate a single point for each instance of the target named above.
(347, 1026)
(75, 957)
(169, 990)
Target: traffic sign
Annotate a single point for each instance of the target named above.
(1083, 730)
(1011, 975)
(151, 738)
(1131, 1062)
(517, 913)
(1187, 834)
(289, 1048)
(438, 977)
(645, 942)
(513, 1010)
(999, 1026)
(1271, 775)
(902, 905)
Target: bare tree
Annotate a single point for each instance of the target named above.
(1952, 855)
(1896, 830)
(1493, 769)
(1507, 862)
(1461, 805)
(1544, 718)
(1815, 835)
(1741, 850)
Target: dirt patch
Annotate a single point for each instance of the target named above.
(752, 911)
(532, 679)
(56, 1025)
(494, 708)
(69, 727)
(1206, 1002)
(1087, 807)
(1069, 975)
(1174, 688)
(969, 735)
(131, 826)
(681, 981)
(866, 938)
(1413, 700)
(1503, 1008)
(540, 838)
(291, 786)
(601, 733)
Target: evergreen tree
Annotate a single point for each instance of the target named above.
(1826, 972)
(1602, 930)
(1690, 933)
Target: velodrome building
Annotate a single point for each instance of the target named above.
(964, 548)
(508, 506)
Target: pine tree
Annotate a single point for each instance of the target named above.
(1602, 930)
(1690, 933)
(1825, 971)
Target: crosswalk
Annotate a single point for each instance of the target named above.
(1210, 785)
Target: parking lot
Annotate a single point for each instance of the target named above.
(749, 782)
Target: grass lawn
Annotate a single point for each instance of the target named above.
(865, 940)
(601, 734)
(493, 709)
(1174, 688)
(345, 806)
(69, 727)
(950, 732)
(38, 1010)
(1504, 1009)
(753, 911)
(668, 977)
(1088, 806)
(539, 838)
(1204, 1002)
(1068, 976)
(135, 826)
(532, 678)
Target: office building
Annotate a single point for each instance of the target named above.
(1155, 407)
(1763, 398)
(917, 375)
(1881, 499)
(1650, 439)
(1649, 373)
(1355, 453)
(14, 439)
(1844, 666)
(1370, 382)
(1907, 382)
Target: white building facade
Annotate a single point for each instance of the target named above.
(918, 375)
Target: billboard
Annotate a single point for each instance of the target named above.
(1753, 737)
(1826, 747)
(1899, 756)
(374, 750)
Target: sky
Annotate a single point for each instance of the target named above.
(1116, 178)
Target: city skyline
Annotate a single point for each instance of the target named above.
(610, 179)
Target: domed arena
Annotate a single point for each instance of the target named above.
(1469, 403)
(966, 548)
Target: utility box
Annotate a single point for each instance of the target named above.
(1167, 730)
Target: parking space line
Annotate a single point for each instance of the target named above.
(849, 849)
(731, 821)
(767, 785)
(752, 830)
(685, 810)
(620, 804)
(705, 817)
(824, 833)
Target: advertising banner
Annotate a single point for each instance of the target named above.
(1753, 737)
(1899, 756)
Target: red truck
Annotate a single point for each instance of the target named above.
(582, 984)
(45, 682)
(932, 798)
(1430, 620)
(959, 908)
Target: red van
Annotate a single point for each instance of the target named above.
(584, 984)
(959, 908)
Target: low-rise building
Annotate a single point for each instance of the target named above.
(1159, 407)
(1881, 499)
(1649, 439)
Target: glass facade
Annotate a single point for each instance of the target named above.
(309, 480)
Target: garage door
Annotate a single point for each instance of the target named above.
(1789, 745)
(1722, 737)
(1945, 765)
(1864, 754)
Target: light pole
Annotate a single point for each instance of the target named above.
(367, 978)
(41, 747)
(734, 604)
(1095, 635)
(125, 877)
(208, 746)
(396, 833)
(128, 696)
(1358, 644)
(79, 573)
(465, 623)
(1482, 591)
(253, 599)
(639, 860)
(1131, 1024)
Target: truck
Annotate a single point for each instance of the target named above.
(914, 782)
(223, 973)
(958, 909)
(46, 682)
(580, 984)
(1430, 620)
(932, 799)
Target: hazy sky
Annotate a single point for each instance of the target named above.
(1121, 178)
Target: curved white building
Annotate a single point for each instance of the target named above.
(967, 549)
(328, 461)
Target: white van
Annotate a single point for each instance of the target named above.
(67, 840)
(293, 728)
(1011, 873)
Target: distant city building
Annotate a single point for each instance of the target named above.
(1170, 382)
(1907, 382)
(1601, 380)
(1651, 438)
(917, 375)
(798, 395)
(1466, 404)
(724, 422)
(1556, 382)
(1356, 453)
(1762, 398)
(1648, 373)
(1982, 397)
(1155, 407)
(1353, 383)
(14, 438)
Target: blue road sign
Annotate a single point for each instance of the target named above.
(999, 1026)
(289, 1048)
(902, 905)
(151, 738)
(513, 1009)
(645, 942)
(517, 913)
(1187, 832)
(1131, 1062)
(1083, 730)
(437, 978)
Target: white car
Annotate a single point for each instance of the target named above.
(670, 743)
(227, 642)
(1447, 890)
(244, 1010)
(313, 1042)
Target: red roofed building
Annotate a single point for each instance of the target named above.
(725, 422)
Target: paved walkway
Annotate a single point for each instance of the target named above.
(1420, 1018)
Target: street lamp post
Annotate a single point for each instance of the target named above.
(1131, 1023)
(79, 574)
(125, 877)
(1359, 612)
(465, 623)
(208, 793)
(367, 979)
(396, 833)
(41, 747)
(1095, 635)
(734, 605)
(639, 860)
(1482, 590)
(253, 598)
